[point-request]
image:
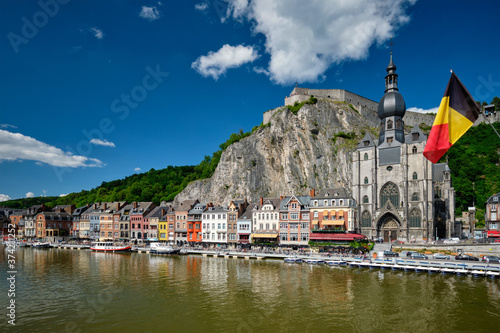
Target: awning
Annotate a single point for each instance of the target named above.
(335, 237)
(338, 222)
(493, 233)
(264, 235)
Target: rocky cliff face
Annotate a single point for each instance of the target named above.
(291, 155)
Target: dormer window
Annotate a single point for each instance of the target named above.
(390, 139)
(366, 143)
(415, 136)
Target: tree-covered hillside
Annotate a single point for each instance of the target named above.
(475, 168)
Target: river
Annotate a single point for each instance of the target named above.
(60, 290)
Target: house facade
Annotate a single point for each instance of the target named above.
(214, 225)
(265, 221)
(492, 216)
(295, 220)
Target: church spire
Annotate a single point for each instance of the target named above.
(391, 79)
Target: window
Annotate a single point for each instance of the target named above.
(366, 143)
(414, 137)
(390, 139)
(284, 216)
(415, 176)
(365, 199)
(415, 218)
(294, 216)
(437, 192)
(366, 157)
(315, 215)
(389, 192)
(366, 220)
(414, 196)
(414, 149)
(389, 124)
(366, 180)
(315, 203)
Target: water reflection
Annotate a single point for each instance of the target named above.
(79, 291)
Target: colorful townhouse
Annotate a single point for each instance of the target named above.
(492, 216)
(234, 210)
(152, 220)
(28, 221)
(181, 216)
(53, 224)
(16, 217)
(94, 214)
(194, 233)
(77, 214)
(124, 223)
(265, 221)
(107, 220)
(333, 212)
(214, 225)
(138, 227)
(295, 220)
(84, 228)
(163, 222)
(244, 225)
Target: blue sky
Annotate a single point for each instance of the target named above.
(93, 91)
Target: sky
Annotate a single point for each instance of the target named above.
(94, 91)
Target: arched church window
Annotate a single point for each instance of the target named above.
(415, 218)
(414, 196)
(389, 192)
(414, 150)
(366, 180)
(437, 192)
(399, 124)
(366, 219)
(365, 199)
(366, 156)
(389, 124)
(415, 176)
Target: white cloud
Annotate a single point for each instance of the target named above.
(4, 197)
(7, 126)
(15, 146)
(102, 143)
(201, 6)
(97, 33)
(137, 169)
(303, 46)
(63, 195)
(420, 110)
(150, 13)
(30, 195)
(217, 63)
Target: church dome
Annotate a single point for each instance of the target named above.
(392, 104)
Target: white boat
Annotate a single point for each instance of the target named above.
(292, 259)
(160, 248)
(41, 245)
(109, 247)
(314, 261)
(336, 263)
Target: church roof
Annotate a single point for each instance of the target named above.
(419, 138)
(367, 141)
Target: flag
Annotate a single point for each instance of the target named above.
(456, 114)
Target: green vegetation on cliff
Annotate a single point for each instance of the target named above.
(475, 169)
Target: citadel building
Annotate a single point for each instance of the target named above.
(399, 193)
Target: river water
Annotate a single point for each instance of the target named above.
(58, 290)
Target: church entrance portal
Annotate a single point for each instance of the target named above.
(389, 229)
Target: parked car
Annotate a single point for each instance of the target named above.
(416, 255)
(440, 256)
(466, 257)
(409, 253)
(493, 259)
(451, 241)
(390, 254)
(379, 240)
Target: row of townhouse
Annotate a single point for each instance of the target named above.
(289, 220)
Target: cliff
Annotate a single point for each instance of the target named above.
(290, 155)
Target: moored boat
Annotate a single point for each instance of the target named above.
(41, 245)
(158, 248)
(292, 259)
(109, 247)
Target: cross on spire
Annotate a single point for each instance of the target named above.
(391, 43)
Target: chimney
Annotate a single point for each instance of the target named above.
(162, 211)
(261, 201)
(105, 205)
(135, 204)
(312, 193)
(95, 205)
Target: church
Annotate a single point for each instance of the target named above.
(400, 194)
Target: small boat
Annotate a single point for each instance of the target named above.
(478, 273)
(336, 263)
(314, 261)
(41, 245)
(108, 247)
(420, 269)
(447, 271)
(158, 248)
(492, 275)
(431, 270)
(292, 259)
(461, 272)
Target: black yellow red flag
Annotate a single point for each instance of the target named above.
(456, 114)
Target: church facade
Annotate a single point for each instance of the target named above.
(400, 194)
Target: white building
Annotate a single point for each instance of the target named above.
(214, 225)
(265, 221)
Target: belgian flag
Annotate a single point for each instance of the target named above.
(456, 114)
